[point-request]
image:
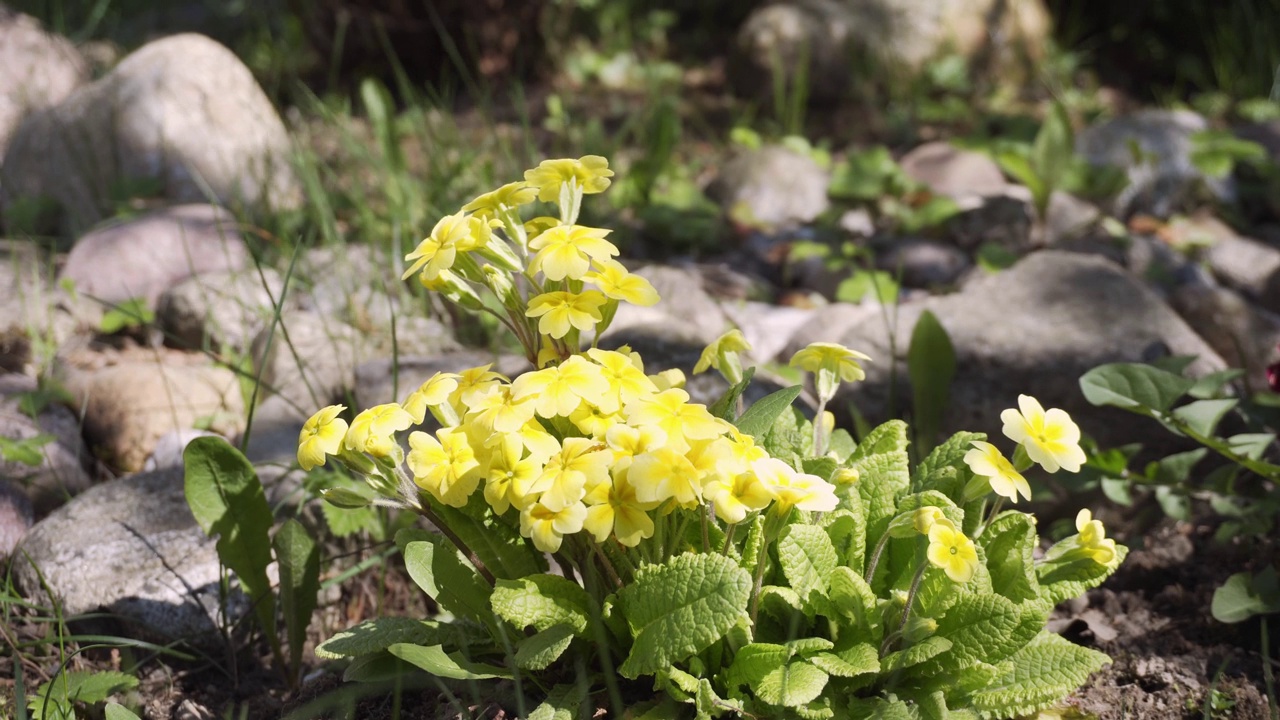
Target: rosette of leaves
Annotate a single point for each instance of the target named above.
(795, 615)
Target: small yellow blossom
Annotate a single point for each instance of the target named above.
(373, 431)
(508, 470)
(952, 551)
(499, 411)
(668, 379)
(473, 384)
(795, 489)
(321, 437)
(559, 390)
(627, 442)
(833, 358)
(1093, 538)
(717, 353)
(1050, 438)
(672, 412)
(445, 465)
(581, 462)
(567, 252)
(547, 526)
(613, 508)
(435, 391)
(987, 461)
(617, 283)
(627, 383)
(509, 196)
(591, 173)
(665, 474)
(561, 310)
(452, 235)
(734, 497)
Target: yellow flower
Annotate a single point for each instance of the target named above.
(499, 411)
(986, 460)
(926, 517)
(668, 379)
(671, 412)
(547, 526)
(952, 551)
(590, 172)
(509, 196)
(509, 470)
(1050, 438)
(373, 431)
(627, 383)
(613, 508)
(580, 463)
(734, 497)
(452, 235)
(559, 310)
(447, 468)
(1093, 538)
(473, 384)
(567, 252)
(593, 422)
(434, 391)
(665, 474)
(714, 354)
(617, 283)
(559, 390)
(321, 437)
(833, 358)
(627, 442)
(795, 489)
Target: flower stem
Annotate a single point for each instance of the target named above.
(875, 557)
(444, 529)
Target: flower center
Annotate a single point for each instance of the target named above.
(954, 550)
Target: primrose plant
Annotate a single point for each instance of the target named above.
(605, 543)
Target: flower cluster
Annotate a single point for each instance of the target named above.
(1048, 438)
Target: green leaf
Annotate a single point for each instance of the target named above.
(131, 313)
(1251, 445)
(847, 529)
(760, 416)
(726, 407)
(681, 607)
(434, 660)
(1063, 581)
(564, 702)
(227, 500)
(863, 176)
(545, 647)
(808, 558)
(861, 659)
(1052, 152)
(752, 662)
(76, 686)
(1244, 595)
(298, 559)
(921, 652)
(116, 711)
(374, 636)
(1175, 469)
(880, 709)
(1009, 543)
(377, 668)
(1174, 502)
(441, 571)
(1210, 386)
(853, 597)
(1202, 416)
(884, 473)
(1039, 675)
(980, 628)
(931, 365)
(345, 498)
(791, 685)
(542, 601)
(499, 545)
(27, 451)
(1018, 165)
(931, 473)
(1134, 386)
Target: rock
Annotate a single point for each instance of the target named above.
(1247, 265)
(131, 401)
(348, 283)
(952, 172)
(767, 327)
(61, 472)
(273, 437)
(310, 361)
(1035, 329)
(27, 301)
(686, 313)
(222, 310)
(808, 42)
(37, 69)
(923, 263)
(1164, 180)
(773, 187)
(1006, 219)
(181, 112)
(829, 323)
(130, 546)
(169, 448)
(1243, 335)
(16, 516)
(376, 383)
(1069, 219)
(143, 257)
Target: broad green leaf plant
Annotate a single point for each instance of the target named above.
(605, 542)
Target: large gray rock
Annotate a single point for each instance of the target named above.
(309, 361)
(1247, 265)
(16, 516)
(1162, 179)
(61, 472)
(131, 547)
(952, 172)
(223, 310)
(1034, 329)
(182, 112)
(685, 312)
(37, 69)
(383, 381)
(143, 257)
(923, 263)
(1245, 336)
(773, 187)
(809, 43)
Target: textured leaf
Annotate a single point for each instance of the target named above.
(227, 500)
(791, 685)
(545, 647)
(1060, 582)
(542, 601)
(847, 528)
(298, 559)
(116, 711)
(861, 659)
(760, 416)
(441, 571)
(1009, 543)
(752, 662)
(753, 545)
(681, 607)
(931, 473)
(852, 597)
(980, 627)
(434, 660)
(74, 686)
(880, 709)
(1040, 675)
(808, 559)
(376, 635)
(564, 702)
(922, 651)
(1133, 386)
(884, 470)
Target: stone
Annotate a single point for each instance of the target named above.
(143, 257)
(952, 172)
(132, 400)
(16, 516)
(1069, 219)
(168, 450)
(129, 546)
(767, 327)
(348, 283)
(808, 42)
(181, 113)
(1245, 336)
(37, 69)
(1034, 329)
(222, 310)
(1247, 265)
(273, 436)
(310, 360)
(1163, 180)
(686, 313)
(923, 263)
(1006, 219)
(377, 383)
(773, 187)
(61, 472)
